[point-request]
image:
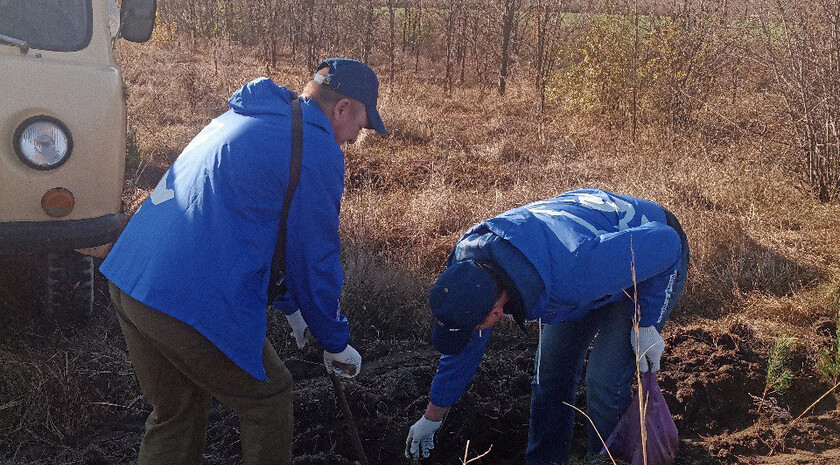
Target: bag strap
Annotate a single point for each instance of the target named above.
(276, 285)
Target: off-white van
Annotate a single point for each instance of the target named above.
(63, 134)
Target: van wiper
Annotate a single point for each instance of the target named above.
(23, 46)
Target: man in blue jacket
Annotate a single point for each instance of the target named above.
(190, 273)
(573, 263)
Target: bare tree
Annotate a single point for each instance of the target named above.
(802, 50)
(418, 29)
(510, 11)
(461, 52)
(263, 24)
(294, 31)
(484, 44)
(391, 42)
(367, 37)
(547, 25)
(311, 36)
(450, 18)
(406, 25)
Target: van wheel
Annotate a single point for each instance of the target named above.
(69, 287)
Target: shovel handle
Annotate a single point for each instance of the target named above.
(348, 419)
(338, 390)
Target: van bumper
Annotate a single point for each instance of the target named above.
(47, 236)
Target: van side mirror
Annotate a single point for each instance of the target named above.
(137, 19)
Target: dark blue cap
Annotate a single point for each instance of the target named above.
(356, 80)
(460, 300)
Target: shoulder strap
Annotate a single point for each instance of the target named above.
(276, 285)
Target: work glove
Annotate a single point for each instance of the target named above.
(346, 363)
(421, 438)
(299, 328)
(649, 349)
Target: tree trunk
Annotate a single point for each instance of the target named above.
(508, 23)
(367, 38)
(635, 66)
(392, 43)
(450, 31)
(418, 25)
(309, 14)
(406, 34)
(462, 45)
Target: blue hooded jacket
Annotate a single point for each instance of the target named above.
(566, 256)
(200, 246)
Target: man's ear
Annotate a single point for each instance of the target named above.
(492, 317)
(498, 312)
(342, 108)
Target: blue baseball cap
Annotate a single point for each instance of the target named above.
(460, 300)
(356, 80)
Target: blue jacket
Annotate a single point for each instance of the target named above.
(200, 247)
(566, 256)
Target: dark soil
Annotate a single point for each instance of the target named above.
(710, 378)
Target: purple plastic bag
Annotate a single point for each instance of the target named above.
(625, 442)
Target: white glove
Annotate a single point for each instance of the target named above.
(346, 363)
(650, 346)
(299, 328)
(421, 438)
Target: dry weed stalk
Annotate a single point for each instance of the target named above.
(464, 461)
(643, 396)
(781, 438)
(600, 438)
(637, 317)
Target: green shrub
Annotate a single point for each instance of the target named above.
(779, 375)
(599, 72)
(829, 363)
(671, 66)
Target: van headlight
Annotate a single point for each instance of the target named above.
(43, 142)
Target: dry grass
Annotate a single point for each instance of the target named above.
(59, 380)
(763, 248)
(762, 245)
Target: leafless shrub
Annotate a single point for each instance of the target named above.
(802, 51)
(641, 68)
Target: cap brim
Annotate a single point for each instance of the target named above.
(376, 122)
(449, 342)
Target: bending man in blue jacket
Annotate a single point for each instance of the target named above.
(567, 263)
(189, 275)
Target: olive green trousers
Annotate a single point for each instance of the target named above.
(179, 371)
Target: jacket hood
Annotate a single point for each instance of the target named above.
(261, 97)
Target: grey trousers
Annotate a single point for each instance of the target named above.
(179, 371)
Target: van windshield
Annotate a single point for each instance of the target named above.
(58, 25)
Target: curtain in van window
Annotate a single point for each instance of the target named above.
(59, 25)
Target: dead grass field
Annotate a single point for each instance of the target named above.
(765, 262)
(763, 247)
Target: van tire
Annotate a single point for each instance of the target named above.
(69, 286)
